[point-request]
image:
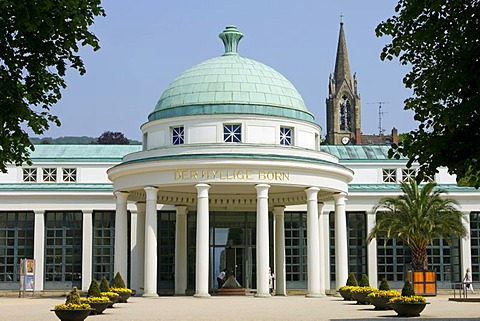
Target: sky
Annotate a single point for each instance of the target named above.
(146, 44)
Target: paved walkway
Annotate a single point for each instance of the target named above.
(236, 308)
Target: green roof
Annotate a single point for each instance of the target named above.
(359, 152)
(84, 153)
(231, 84)
(386, 187)
(56, 187)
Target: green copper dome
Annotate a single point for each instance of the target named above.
(231, 84)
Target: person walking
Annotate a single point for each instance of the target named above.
(467, 281)
(271, 278)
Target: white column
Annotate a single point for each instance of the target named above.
(137, 259)
(372, 251)
(262, 241)
(181, 250)
(341, 247)
(120, 260)
(39, 249)
(150, 278)
(87, 249)
(313, 246)
(280, 276)
(465, 248)
(321, 248)
(326, 246)
(201, 269)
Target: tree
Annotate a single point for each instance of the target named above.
(417, 218)
(112, 138)
(93, 289)
(40, 39)
(440, 41)
(118, 281)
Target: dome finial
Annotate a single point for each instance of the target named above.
(230, 37)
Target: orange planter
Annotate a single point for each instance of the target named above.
(423, 282)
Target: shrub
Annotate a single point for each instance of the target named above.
(364, 281)
(104, 287)
(407, 289)
(73, 297)
(352, 280)
(384, 285)
(94, 289)
(118, 281)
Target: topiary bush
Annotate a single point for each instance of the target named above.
(104, 287)
(94, 289)
(73, 297)
(364, 281)
(384, 285)
(118, 281)
(352, 280)
(407, 289)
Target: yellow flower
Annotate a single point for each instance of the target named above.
(384, 294)
(362, 289)
(121, 290)
(409, 299)
(72, 306)
(109, 294)
(94, 299)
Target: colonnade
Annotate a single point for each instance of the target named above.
(144, 262)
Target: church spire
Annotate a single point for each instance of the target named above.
(342, 66)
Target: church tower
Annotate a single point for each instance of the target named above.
(343, 102)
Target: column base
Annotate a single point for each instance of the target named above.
(280, 294)
(201, 295)
(314, 295)
(262, 295)
(150, 295)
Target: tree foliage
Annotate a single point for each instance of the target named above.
(118, 281)
(104, 287)
(73, 296)
(352, 280)
(40, 39)
(417, 218)
(384, 285)
(364, 281)
(407, 289)
(440, 41)
(113, 138)
(94, 289)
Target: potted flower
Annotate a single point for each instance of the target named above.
(105, 291)
(382, 296)
(360, 293)
(94, 298)
(351, 283)
(72, 309)
(408, 304)
(120, 288)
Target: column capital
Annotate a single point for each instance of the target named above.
(262, 190)
(151, 192)
(121, 196)
(278, 210)
(181, 209)
(340, 198)
(141, 206)
(39, 212)
(202, 189)
(312, 193)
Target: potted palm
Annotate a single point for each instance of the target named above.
(382, 296)
(94, 298)
(72, 309)
(351, 283)
(360, 293)
(105, 291)
(429, 214)
(408, 304)
(120, 288)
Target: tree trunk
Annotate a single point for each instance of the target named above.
(419, 259)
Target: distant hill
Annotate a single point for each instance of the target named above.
(71, 140)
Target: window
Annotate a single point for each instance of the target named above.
(232, 133)
(16, 242)
(408, 174)
(296, 247)
(344, 107)
(103, 244)
(178, 135)
(30, 175)
(69, 174)
(475, 245)
(389, 175)
(49, 174)
(286, 136)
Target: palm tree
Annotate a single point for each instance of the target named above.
(417, 218)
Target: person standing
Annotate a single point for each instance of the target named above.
(467, 281)
(271, 278)
(221, 278)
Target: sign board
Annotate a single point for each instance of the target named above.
(27, 276)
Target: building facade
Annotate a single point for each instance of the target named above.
(230, 175)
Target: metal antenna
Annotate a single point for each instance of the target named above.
(380, 114)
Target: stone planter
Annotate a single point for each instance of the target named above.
(380, 303)
(113, 300)
(346, 295)
(99, 307)
(123, 297)
(361, 297)
(72, 315)
(404, 309)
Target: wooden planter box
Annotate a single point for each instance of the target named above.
(423, 282)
